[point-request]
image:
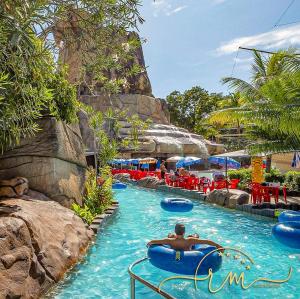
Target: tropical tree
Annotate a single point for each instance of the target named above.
(32, 83)
(189, 109)
(263, 69)
(271, 103)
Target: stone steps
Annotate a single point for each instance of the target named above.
(101, 219)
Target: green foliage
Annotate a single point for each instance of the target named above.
(274, 176)
(243, 174)
(97, 197)
(189, 110)
(137, 129)
(32, 83)
(106, 127)
(105, 189)
(83, 212)
(271, 105)
(64, 105)
(292, 180)
(25, 70)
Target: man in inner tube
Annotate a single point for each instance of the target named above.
(178, 242)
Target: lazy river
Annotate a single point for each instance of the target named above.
(103, 272)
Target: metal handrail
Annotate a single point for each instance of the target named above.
(134, 277)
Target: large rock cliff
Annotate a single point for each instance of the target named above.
(162, 139)
(53, 161)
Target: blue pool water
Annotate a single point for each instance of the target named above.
(103, 273)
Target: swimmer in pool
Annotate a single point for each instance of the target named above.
(178, 242)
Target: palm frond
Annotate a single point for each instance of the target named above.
(245, 88)
(259, 73)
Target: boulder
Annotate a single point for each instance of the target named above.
(228, 198)
(238, 197)
(123, 177)
(218, 196)
(53, 161)
(13, 188)
(39, 242)
(150, 182)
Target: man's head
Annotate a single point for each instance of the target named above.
(179, 229)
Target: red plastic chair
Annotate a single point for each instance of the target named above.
(265, 193)
(234, 183)
(284, 193)
(191, 183)
(204, 184)
(220, 184)
(182, 181)
(167, 179)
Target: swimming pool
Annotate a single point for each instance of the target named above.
(103, 273)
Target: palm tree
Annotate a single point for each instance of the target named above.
(264, 69)
(271, 103)
(234, 100)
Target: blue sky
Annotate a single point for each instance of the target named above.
(194, 42)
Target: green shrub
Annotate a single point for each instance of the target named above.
(83, 212)
(96, 198)
(292, 180)
(243, 174)
(274, 176)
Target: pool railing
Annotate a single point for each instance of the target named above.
(134, 277)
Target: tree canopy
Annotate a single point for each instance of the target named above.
(271, 107)
(31, 81)
(189, 109)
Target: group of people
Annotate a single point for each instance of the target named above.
(174, 174)
(179, 172)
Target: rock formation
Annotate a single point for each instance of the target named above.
(162, 139)
(39, 242)
(228, 198)
(13, 188)
(53, 161)
(150, 182)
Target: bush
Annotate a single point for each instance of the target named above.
(243, 174)
(274, 176)
(97, 198)
(292, 180)
(83, 212)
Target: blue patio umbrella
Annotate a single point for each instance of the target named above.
(224, 161)
(188, 161)
(133, 161)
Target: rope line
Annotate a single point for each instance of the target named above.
(283, 14)
(235, 61)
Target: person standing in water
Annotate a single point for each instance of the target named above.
(178, 242)
(163, 169)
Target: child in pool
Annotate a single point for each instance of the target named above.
(178, 242)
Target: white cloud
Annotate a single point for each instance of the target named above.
(286, 37)
(176, 10)
(218, 1)
(166, 7)
(243, 60)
